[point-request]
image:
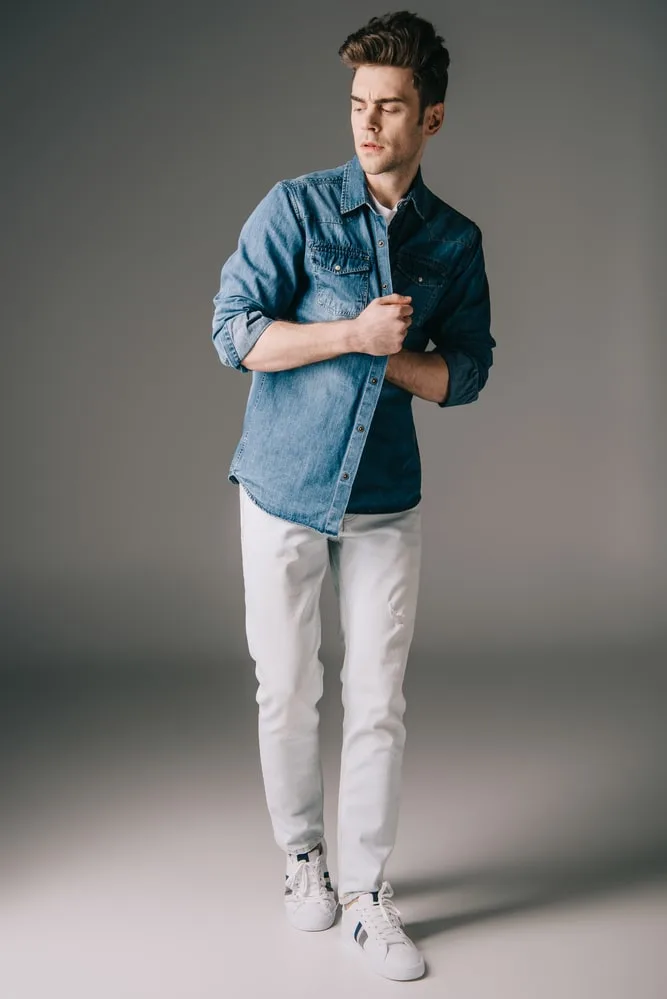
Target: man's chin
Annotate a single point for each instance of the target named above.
(378, 159)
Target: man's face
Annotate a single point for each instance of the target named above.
(391, 125)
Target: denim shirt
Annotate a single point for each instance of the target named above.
(314, 249)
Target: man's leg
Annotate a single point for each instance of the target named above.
(376, 566)
(283, 569)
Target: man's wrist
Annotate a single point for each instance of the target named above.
(349, 335)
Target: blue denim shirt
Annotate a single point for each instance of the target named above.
(314, 249)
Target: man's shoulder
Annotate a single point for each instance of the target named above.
(449, 223)
(316, 193)
(445, 222)
(329, 175)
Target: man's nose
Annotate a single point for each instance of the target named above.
(370, 119)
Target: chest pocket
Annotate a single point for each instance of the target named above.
(422, 278)
(342, 278)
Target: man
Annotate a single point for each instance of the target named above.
(340, 279)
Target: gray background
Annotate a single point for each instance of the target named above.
(136, 850)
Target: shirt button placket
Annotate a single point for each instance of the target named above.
(373, 380)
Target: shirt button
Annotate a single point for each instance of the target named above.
(380, 242)
(337, 268)
(360, 427)
(384, 285)
(345, 475)
(374, 381)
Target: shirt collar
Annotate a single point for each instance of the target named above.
(354, 191)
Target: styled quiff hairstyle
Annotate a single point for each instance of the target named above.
(405, 40)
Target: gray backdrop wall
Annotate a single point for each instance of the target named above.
(139, 138)
(134, 839)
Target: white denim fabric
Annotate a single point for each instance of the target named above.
(375, 564)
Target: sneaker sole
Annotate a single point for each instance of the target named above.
(399, 975)
(312, 929)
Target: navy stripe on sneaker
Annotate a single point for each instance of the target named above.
(305, 856)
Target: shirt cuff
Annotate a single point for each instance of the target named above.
(463, 377)
(241, 333)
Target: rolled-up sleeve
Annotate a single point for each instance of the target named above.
(461, 328)
(259, 280)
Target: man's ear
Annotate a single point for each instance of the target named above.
(436, 116)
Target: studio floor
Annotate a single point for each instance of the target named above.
(138, 859)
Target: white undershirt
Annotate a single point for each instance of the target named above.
(387, 212)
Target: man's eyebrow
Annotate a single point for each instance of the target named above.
(380, 100)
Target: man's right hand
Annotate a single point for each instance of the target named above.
(381, 328)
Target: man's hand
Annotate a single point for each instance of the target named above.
(380, 329)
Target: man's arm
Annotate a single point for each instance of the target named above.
(289, 345)
(259, 282)
(463, 338)
(424, 374)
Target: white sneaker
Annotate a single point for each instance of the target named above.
(372, 924)
(310, 902)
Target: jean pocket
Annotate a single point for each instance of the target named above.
(342, 278)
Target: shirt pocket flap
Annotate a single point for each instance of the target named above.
(421, 270)
(340, 259)
(422, 279)
(341, 277)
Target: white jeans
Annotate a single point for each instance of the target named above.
(375, 565)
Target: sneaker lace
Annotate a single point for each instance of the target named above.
(307, 880)
(384, 916)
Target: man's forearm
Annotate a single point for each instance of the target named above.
(285, 345)
(424, 374)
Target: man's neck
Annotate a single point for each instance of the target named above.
(390, 187)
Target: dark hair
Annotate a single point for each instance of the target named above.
(406, 40)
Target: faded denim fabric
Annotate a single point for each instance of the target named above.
(314, 249)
